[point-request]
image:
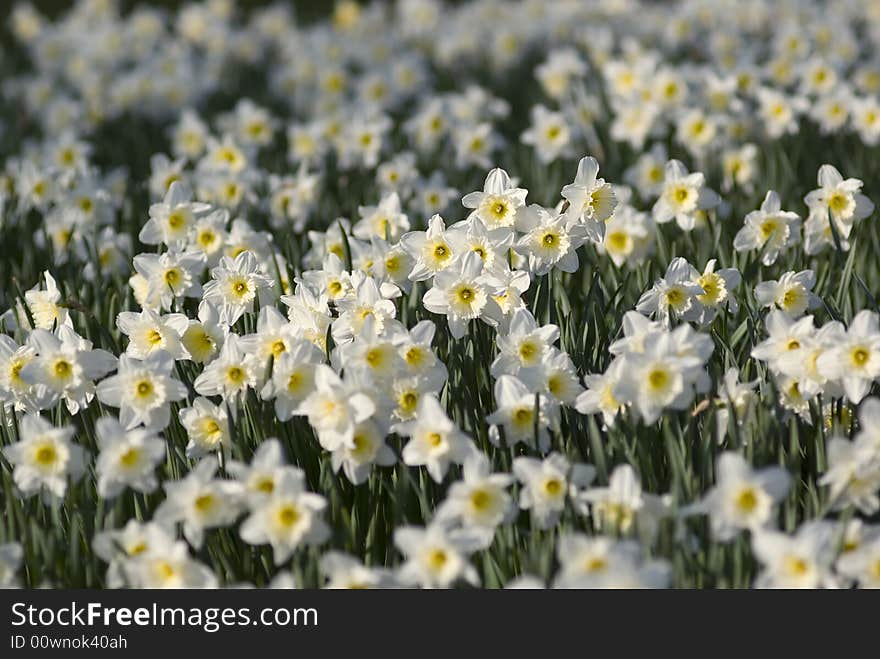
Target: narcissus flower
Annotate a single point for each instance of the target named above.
(287, 519)
(44, 458)
(743, 498)
(143, 390)
(128, 458)
(770, 229)
(497, 205)
(683, 196)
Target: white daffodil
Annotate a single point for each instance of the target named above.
(792, 293)
(837, 200)
(335, 407)
(770, 229)
(121, 548)
(207, 427)
(549, 134)
(65, 368)
(675, 296)
(525, 415)
(658, 378)
(434, 557)
(170, 276)
(235, 286)
(347, 572)
(172, 219)
(432, 250)
(718, 287)
(143, 390)
(742, 498)
(367, 448)
(464, 292)
(44, 305)
(591, 201)
(293, 378)
(199, 501)
(525, 345)
(547, 485)
(44, 458)
(15, 392)
(480, 500)
(231, 374)
(287, 518)
(602, 562)
(623, 507)
(683, 196)
(550, 241)
(856, 359)
(435, 442)
(384, 220)
(149, 333)
(11, 555)
(128, 458)
(497, 205)
(802, 560)
(599, 395)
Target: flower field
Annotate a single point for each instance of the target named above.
(526, 294)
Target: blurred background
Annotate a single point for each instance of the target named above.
(306, 10)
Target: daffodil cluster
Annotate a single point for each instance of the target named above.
(493, 294)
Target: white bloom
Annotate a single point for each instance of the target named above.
(432, 250)
(599, 396)
(231, 374)
(462, 293)
(549, 134)
(658, 378)
(792, 293)
(171, 220)
(44, 305)
(856, 359)
(742, 498)
(480, 500)
(287, 519)
(261, 477)
(128, 458)
(550, 240)
(547, 484)
(683, 196)
(143, 391)
(200, 502)
(435, 558)
(123, 548)
(347, 572)
(435, 441)
(235, 285)
(207, 427)
(44, 457)
(367, 448)
(769, 229)
(623, 506)
(591, 200)
(602, 562)
(293, 378)
(799, 561)
(497, 205)
(676, 295)
(11, 555)
(65, 368)
(525, 415)
(837, 200)
(149, 333)
(385, 220)
(335, 407)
